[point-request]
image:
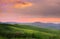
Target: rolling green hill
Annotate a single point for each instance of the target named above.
(15, 31)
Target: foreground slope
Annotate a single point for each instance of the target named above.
(15, 31)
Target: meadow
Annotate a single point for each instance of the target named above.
(17, 31)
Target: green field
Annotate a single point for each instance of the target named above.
(15, 31)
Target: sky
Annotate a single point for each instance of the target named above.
(30, 11)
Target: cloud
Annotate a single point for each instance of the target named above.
(22, 5)
(29, 11)
(40, 8)
(43, 8)
(51, 8)
(10, 5)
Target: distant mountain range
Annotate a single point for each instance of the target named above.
(44, 25)
(39, 24)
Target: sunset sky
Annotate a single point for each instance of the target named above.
(30, 11)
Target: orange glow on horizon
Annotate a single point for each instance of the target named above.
(39, 20)
(32, 20)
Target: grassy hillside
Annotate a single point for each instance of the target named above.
(9, 31)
